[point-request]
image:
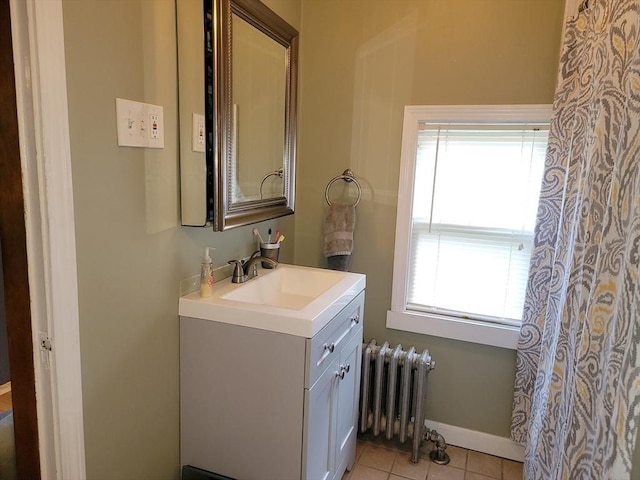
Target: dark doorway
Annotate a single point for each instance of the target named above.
(5, 376)
(14, 266)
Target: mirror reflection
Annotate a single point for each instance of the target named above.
(258, 95)
(238, 88)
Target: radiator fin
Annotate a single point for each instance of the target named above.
(393, 393)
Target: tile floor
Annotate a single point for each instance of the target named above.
(375, 461)
(5, 397)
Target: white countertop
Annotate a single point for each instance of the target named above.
(303, 322)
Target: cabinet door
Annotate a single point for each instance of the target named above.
(319, 453)
(346, 409)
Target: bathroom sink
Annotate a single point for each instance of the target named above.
(286, 287)
(288, 299)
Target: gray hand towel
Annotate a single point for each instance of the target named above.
(339, 262)
(338, 230)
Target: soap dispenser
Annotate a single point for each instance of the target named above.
(206, 275)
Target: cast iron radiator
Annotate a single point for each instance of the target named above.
(393, 397)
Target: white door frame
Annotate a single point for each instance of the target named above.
(41, 89)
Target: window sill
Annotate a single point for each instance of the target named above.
(495, 335)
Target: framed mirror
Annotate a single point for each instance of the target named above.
(238, 127)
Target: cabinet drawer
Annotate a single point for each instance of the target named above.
(328, 342)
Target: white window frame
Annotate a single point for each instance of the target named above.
(399, 317)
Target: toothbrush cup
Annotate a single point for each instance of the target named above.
(269, 250)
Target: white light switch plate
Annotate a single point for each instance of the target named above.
(139, 124)
(198, 136)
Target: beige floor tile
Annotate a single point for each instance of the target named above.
(476, 476)
(375, 461)
(5, 402)
(362, 472)
(377, 457)
(360, 446)
(405, 468)
(457, 456)
(347, 473)
(511, 470)
(444, 472)
(484, 464)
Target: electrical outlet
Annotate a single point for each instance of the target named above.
(198, 140)
(154, 126)
(139, 124)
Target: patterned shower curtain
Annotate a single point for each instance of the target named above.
(577, 390)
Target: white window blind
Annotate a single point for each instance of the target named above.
(475, 199)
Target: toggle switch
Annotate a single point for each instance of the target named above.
(139, 124)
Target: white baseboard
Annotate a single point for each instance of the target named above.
(478, 441)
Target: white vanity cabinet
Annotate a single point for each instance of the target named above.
(258, 404)
(330, 427)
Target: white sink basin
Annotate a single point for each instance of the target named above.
(286, 287)
(289, 299)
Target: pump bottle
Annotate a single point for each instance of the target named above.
(206, 275)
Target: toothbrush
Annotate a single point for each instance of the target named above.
(280, 239)
(269, 235)
(257, 234)
(277, 236)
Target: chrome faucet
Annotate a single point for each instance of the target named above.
(243, 272)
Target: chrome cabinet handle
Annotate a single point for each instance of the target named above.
(330, 346)
(344, 369)
(355, 319)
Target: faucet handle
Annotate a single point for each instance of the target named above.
(238, 272)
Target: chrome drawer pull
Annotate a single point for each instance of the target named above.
(330, 346)
(355, 319)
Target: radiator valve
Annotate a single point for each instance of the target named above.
(438, 454)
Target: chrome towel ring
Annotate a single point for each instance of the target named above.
(277, 173)
(347, 176)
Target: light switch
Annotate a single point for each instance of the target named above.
(139, 124)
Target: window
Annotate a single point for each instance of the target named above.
(468, 197)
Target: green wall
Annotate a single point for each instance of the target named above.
(131, 251)
(362, 61)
